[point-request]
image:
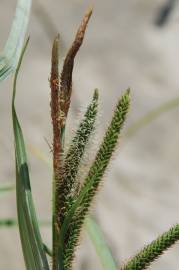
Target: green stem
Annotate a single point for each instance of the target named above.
(149, 117)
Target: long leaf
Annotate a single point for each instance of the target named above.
(100, 245)
(34, 255)
(7, 187)
(11, 53)
(150, 117)
(11, 222)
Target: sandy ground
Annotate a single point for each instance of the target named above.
(123, 47)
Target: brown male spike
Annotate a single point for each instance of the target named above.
(57, 143)
(66, 75)
(64, 99)
(54, 84)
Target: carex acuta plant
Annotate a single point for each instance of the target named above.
(71, 196)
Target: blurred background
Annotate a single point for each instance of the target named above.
(131, 43)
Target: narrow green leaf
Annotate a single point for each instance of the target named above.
(150, 117)
(8, 222)
(32, 245)
(100, 244)
(94, 233)
(47, 250)
(154, 250)
(11, 222)
(5, 188)
(11, 53)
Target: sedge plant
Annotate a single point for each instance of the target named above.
(71, 196)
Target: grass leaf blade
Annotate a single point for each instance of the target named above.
(11, 222)
(7, 187)
(150, 117)
(100, 245)
(32, 245)
(11, 53)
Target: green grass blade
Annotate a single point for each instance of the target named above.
(94, 233)
(47, 250)
(154, 250)
(7, 187)
(11, 222)
(100, 244)
(8, 222)
(11, 53)
(150, 117)
(32, 245)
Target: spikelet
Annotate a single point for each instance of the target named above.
(74, 155)
(80, 207)
(65, 90)
(67, 70)
(152, 251)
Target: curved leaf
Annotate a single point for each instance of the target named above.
(100, 245)
(32, 245)
(11, 53)
(150, 117)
